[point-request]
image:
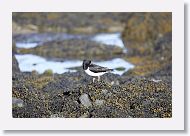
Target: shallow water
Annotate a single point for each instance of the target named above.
(26, 45)
(113, 39)
(30, 62)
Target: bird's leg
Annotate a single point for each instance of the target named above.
(93, 79)
(98, 78)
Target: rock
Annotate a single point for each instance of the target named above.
(115, 82)
(68, 22)
(99, 102)
(54, 116)
(142, 30)
(143, 27)
(104, 91)
(14, 48)
(85, 115)
(15, 67)
(74, 49)
(112, 83)
(85, 101)
(163, 48)
(133, 97)
(148, 37)
(17, 102)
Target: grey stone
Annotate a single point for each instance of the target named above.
(85, 115)
(99, 102)
(85, 101)
(54, 116)
(104, 91)
(17, 102)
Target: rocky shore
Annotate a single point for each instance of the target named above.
(74, 48)
(74, 95)
(86, 23)
(142, 92)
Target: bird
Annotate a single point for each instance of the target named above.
(94, 70)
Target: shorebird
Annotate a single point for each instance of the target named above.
(94, 70)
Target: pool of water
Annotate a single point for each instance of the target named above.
(113, 39)
(110, 39)
(26, 45)
(30, 62)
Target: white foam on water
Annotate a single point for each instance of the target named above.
(30, 62)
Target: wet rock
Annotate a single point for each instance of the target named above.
(136, 97)
(99, 102)
(148, 37)
(68, 22)
(163, 48)
(164, 74)
(54, 116)
(29, 28)
(14, 49)
(115, 82)
(44, 37)
(145, 27)
(17, 102)
(85, 101)
(15, 67)
(85, 115)
(75, 49)
(104, 91)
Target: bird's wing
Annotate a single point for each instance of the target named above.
(95, 68)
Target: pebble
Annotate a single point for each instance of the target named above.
(17, 102)
(112, 83)
(99, 102)
(104, 91)
(85, 101)
(54, 116)
(85, 115)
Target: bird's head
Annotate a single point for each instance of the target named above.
(85, 64)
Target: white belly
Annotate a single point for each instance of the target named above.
(94, 74)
